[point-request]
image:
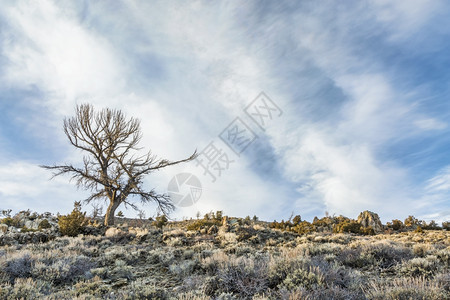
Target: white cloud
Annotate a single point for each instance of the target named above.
(405, 17)
(430, 124)
(207, 68)
(71, 63)
(440, 182)
(25, 185)
(49, 49)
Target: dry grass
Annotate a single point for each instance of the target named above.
(242, 262)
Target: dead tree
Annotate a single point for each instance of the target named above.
(112, 167)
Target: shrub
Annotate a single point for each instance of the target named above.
(44, 224)
(307, 278)
(25, 229)
(446, 226)
(353, 258)
(431, 226)
(27, 288)
(348, 226)
(8, 221)
(160, 221)
(368, 230)
(73, 223)
(19, 266)
(243, 276)
(199, 224)
(411, 221)
(420, 267)
(303, 227)
(297, 219)
(397, 224)
(65, 270)
(385, 255)
(418, 229)
(406, 288)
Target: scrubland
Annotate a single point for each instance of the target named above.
(207, 259)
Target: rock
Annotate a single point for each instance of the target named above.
(93, 230)
(32, 224)
(39, 237)
(368, 218)
(112, 232)
(225, 221)
(8, 239)
(120, 282)
(21, 218)
(13, 229)
(3, 228)
(213, 229)
(138, 231)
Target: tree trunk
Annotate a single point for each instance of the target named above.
(109, 217)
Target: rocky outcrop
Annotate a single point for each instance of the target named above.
(213, 229)
(3, 228)
(368, 218)
(25, 238)
(225, 221)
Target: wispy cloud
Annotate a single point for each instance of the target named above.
(355, 104)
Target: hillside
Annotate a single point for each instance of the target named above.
(230, 258)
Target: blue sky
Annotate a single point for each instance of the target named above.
(363, 87)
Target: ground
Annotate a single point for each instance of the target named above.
(240, 260)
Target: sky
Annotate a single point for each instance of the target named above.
(354, 96)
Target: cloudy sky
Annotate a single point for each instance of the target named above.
(362, 89)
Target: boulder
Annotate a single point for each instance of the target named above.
(113, 232)
(3, 228)
(213, 229)
(225, 221)
(32, 224)
(368, 218)
(137, 231)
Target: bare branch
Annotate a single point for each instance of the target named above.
(112, 167)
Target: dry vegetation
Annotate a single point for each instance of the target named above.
(216, 259)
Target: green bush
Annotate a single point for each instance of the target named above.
(160, 221)
(397, 224)
(44, 224)
(431, 226)
(73, 223)
(411, 221)
(368, 231)
(199, 224)
(304, 228)
(26, 229)
(297, 219)
(348, 226)
(8, 221)
(219, 215)
(446, 226)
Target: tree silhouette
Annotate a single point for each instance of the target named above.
(112, 167)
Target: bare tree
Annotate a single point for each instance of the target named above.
(112, 167)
